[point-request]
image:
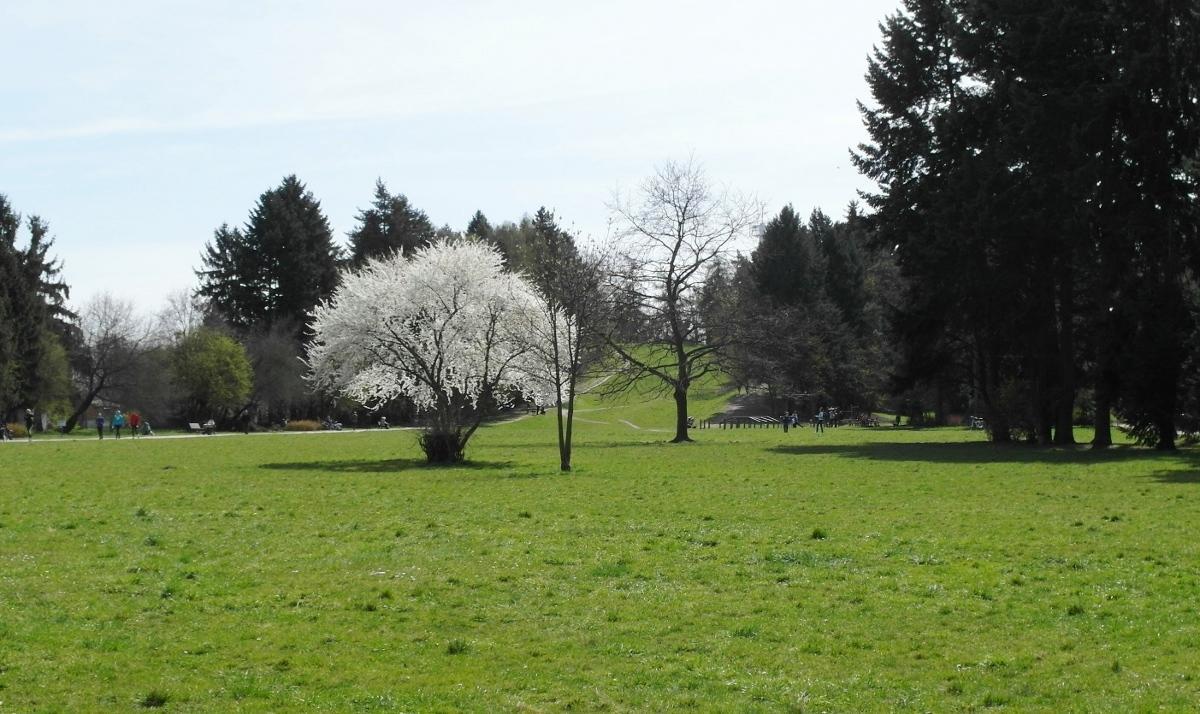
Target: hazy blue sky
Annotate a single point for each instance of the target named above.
(136, 128)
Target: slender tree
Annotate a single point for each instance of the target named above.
(570, 286)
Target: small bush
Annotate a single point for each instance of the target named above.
(154, 700)
(303, 425)
(819, 534)
(17, 430)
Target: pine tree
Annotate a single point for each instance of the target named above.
(845, 272)
(390, 225)
(479, 226)
(228, 281)
(279, 267)
(786, 264)
(9, 280)
(33, 307)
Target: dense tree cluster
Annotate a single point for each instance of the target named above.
(805, 315)
(1036, 165)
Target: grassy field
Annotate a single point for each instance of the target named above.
(857, 570)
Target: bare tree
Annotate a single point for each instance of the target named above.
(182, 315)
(113, 342)
(670, 233)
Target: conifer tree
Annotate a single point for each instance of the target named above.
(390, 225)
(278, 268)
(479, 226)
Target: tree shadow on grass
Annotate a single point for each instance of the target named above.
(385, 466)
(988, 453)
(1178, 477)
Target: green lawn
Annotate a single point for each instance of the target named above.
(858, 570)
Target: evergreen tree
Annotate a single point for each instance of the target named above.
(278, 268)
(228, 282)
(786, 264)
(479, 226)
(845, 275)
(33, 307)
(1032, 162)
(390, 225)
(9, 279)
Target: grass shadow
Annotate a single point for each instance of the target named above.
(383, 466)
(987, 453)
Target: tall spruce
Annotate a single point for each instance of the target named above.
(35, 319)
(389, 226)
(479, 226)
(278, 268)
(787, 264)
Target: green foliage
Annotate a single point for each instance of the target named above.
(211, 373)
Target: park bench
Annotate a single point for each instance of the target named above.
(194, 427)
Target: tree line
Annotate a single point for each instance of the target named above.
(1029, 255)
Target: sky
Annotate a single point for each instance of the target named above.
(136, 128)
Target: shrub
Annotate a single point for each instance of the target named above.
(17, 430)
(303, 425)
(154, 700)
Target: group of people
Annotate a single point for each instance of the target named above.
(820, 419)
(119, 420)
(6, 433)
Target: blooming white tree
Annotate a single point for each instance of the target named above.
(446, 327)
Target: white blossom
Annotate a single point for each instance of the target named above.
(443, 327)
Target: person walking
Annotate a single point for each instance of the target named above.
(135, 420)
(29, 424)
(819, 424)
(100, 424)
(118, 421)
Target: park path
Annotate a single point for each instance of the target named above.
(218, 435)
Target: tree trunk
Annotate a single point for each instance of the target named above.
(1064, 405)
(1165, 426)
(86, 402)
(1102, 419)
(443, 446)
(564, 452)
(681, 415)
